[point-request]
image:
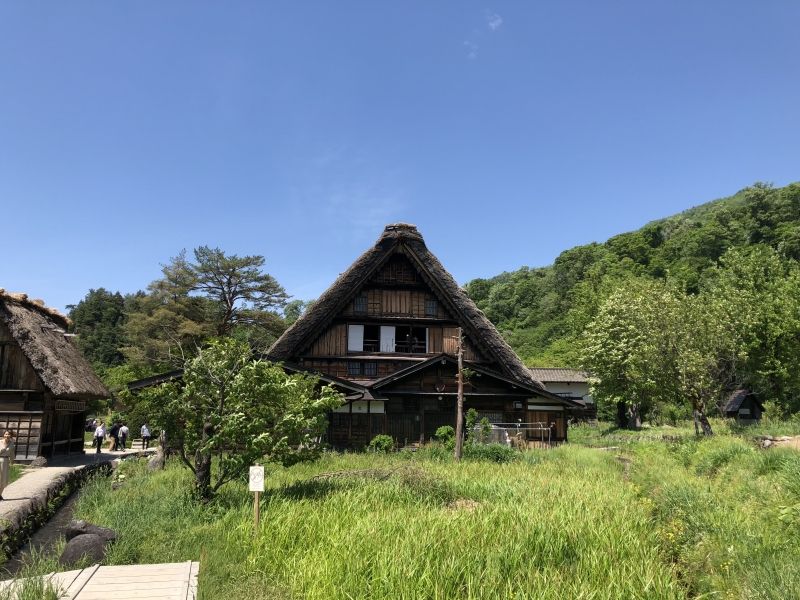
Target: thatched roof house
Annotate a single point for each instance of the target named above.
(386, 334)
(44, 379)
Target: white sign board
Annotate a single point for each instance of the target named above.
(256, 479)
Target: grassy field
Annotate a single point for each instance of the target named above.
(715, 518)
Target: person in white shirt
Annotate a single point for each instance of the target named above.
(99, 436)
(145, 436)
(123, 437)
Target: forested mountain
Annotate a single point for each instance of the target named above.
(543, 311)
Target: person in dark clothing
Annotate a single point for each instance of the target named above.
(114, 433)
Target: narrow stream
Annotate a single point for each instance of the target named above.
(44, 540)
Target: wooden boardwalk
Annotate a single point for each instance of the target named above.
(166, 581)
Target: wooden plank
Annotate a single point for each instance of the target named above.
(79, 582)
(194, 573)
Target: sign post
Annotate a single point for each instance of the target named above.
(257, 486)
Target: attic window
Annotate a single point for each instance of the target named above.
(431, 307)
(360, 304)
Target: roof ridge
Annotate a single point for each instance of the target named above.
(37, 304)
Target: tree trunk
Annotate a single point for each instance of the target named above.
(634, 416)
(202, 467)
(701, 423)
(622, 415)
(704, 424)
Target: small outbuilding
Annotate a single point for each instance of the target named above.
(743, 406)
(570, 384)
(45, 382)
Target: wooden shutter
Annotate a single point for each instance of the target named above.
(355, 338)
(387, 338)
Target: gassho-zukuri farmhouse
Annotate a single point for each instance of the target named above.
(385, 334)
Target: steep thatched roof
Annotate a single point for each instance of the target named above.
(404, 238)
(39, 331)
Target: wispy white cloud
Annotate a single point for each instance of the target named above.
(472, 49)
(493, 21)
(365, 209)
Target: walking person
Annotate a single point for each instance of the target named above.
(114, 433)
(7, 451)
(123, 437)
(99, 436)
(145, 436)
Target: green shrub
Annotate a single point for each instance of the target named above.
(498, 453)
(381, 443)
(445, 434)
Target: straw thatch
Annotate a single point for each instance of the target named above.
(404, 238)
(39, 331)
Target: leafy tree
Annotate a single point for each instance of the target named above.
(214, 295)
(165, 326)
(240, 291)
(242, 411)
(98, 320)
(762, 293)
(294, 309)
(624, 350)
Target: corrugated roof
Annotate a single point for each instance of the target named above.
(553, 375)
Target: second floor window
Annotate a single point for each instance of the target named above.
(387, 338)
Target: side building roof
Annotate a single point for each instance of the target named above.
(559, 375)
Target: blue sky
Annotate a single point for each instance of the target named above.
(506, 131)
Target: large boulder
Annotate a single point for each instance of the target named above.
(76, 528)
(85, 545)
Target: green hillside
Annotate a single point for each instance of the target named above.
(542, 311)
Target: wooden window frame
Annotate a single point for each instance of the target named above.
(361, 304)
(431, 307)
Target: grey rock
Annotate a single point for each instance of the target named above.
(39, 461)
(156, 462)
(84, 545)
(76, 528)
(766, 443)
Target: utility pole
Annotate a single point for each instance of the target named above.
(460, 398)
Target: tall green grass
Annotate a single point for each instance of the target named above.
(707, 518)
(560, 524)
(722, 509)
